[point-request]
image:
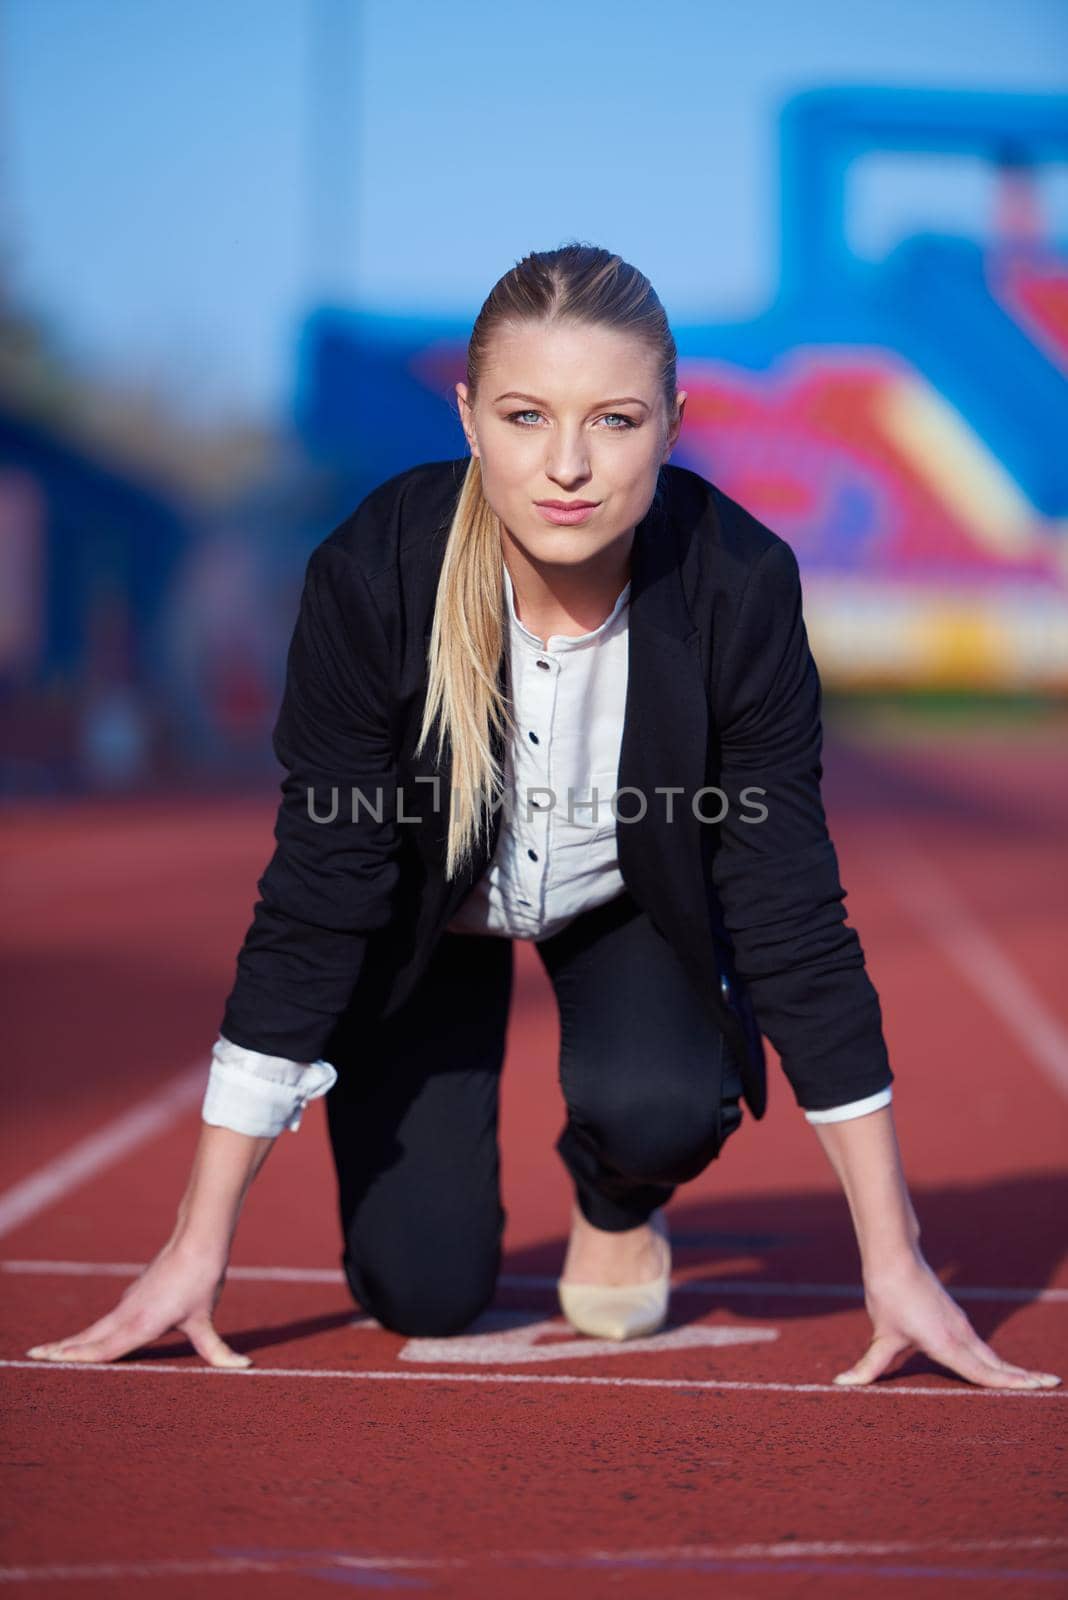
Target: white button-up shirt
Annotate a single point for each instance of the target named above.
(556, 852)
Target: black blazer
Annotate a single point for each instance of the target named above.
(722, 691)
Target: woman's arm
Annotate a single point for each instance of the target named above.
(180, 1288)
(776, 875)
(332, 880)
(327, 887)
(906, 1302)
(783, 903)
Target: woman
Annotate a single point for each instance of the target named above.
(490, 654)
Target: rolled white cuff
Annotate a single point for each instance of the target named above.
(855, 1108)
(259, 1094)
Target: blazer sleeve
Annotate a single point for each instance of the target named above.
(331, 881)
(777, 878)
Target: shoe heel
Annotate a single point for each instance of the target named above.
(623, 1311)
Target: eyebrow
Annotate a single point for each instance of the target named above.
(622, 400)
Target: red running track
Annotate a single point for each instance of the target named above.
(715, 1456)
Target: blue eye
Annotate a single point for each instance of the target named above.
(628, 422)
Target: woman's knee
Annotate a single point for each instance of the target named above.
(660, 1137)
(424, 1299)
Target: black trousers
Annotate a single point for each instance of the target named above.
(650, 1087)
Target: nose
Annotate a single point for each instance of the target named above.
(568, 461)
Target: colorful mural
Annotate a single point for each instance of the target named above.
(903, 423)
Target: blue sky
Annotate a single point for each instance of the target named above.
(163, 160)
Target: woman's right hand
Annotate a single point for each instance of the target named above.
(180, 1289)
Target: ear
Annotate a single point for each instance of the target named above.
(467, 417)
(676, 426)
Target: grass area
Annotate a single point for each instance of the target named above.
(943, 714)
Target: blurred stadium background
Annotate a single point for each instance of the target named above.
(897, 408)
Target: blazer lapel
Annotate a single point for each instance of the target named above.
(454, 893)
(665, 736)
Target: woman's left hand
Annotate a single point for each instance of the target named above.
(909, 1306)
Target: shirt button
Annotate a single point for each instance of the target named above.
(725, 988)
(544, 664)
(534, 738)
(533, 854)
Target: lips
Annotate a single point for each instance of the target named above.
(565, 513)
(567, 505)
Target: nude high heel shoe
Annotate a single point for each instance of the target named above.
(623, 1311)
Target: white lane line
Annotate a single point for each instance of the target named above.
(709, 1288)
(927, 895)
(301, 1561)
(102, 1149)
(835, 1547)
(685, 1385)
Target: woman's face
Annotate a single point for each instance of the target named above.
(569, 413)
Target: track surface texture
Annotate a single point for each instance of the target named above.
(519, 1458)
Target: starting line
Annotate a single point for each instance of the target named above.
(885, 1386)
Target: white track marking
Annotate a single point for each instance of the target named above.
(928, 896)
(706, 1288)
(298, 1561)
(686, 1385)
(510, 1338)
(102, 1149)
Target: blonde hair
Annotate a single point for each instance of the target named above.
(580, 284)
